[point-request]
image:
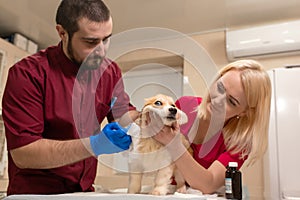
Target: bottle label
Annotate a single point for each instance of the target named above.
(228, 185)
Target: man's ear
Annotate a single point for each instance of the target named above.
(62, 33)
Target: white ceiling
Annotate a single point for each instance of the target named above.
(35, 18)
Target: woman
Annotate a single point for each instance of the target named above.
(230, 124)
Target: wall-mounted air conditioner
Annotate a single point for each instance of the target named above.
(263, 40)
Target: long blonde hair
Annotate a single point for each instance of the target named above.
(248, 134)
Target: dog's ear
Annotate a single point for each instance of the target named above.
(182, 117)
(138, 119)
(144, 118)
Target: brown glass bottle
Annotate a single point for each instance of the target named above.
(233, 182)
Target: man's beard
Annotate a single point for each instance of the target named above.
(91, 62)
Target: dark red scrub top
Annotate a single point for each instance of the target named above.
(47, 96)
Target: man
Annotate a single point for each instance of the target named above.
(55, 100)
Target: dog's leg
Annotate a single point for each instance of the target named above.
(135, 174)
(181, 187)
(135, 182)
(162, 180)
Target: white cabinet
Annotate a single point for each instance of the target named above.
(9, 54)
(2, 66)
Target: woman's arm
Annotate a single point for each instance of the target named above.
(205, 180)
(198, 177)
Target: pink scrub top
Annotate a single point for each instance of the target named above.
(214, 149)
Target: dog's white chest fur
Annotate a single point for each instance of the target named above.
(147, 156)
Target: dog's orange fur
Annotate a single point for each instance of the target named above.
(148, 153)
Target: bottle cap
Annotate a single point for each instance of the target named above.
(233, 164)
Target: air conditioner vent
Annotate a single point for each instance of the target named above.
(263, 40)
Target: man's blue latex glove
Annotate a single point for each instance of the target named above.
(112, 139)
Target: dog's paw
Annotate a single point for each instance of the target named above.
(131, 191)
(159, 191)
(182, 189)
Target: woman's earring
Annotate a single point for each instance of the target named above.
(238, 117)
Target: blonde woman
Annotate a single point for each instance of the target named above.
(229, 124)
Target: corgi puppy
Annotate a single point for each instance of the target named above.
(146, 155)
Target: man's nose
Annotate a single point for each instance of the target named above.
(100, 50)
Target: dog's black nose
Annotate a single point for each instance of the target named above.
(173, 110)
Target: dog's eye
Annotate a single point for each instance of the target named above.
(158, 103)
(173, 105)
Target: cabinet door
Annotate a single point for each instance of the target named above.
(2, 65)
(3, 152)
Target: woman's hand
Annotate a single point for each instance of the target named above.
(167, 134)
(159, 131)
(171, 137)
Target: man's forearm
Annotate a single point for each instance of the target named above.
(46, 154)
(128, 118)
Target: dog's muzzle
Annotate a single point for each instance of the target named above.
(172, 115)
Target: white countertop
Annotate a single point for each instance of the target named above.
(118, 194)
